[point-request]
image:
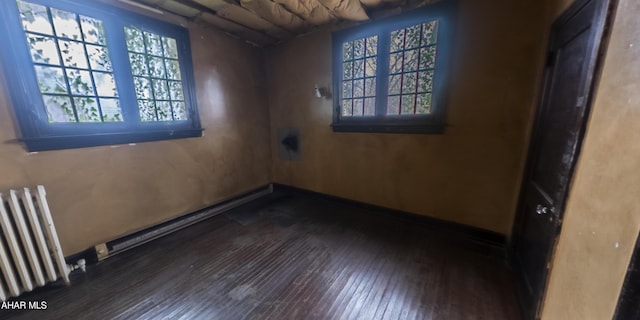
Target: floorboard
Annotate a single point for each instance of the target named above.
(291, 256)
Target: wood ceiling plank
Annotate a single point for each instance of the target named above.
(276, 14)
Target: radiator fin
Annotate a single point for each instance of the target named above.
(29, 245)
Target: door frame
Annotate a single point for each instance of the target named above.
(604, 20)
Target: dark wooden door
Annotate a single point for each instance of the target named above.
(556, 139)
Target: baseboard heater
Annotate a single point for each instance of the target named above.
(108, 249)
(30, 252)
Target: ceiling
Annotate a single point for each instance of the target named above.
(267, 22)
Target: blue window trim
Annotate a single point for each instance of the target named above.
(29, 111)
(444, 11)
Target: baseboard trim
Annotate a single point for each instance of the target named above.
(481, 236)
(124, 243)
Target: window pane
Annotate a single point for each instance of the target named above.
(358, 106)
(99, 58)
(170, 47)
(175, 88)
(358, 88)
(156, 67)
(87, 109)
(425, 81)
(66, 24)
(394, 84)
(111, 111)
(358, 48)
(428, 58)
(423, 104)
(92, 30)
(43, 49)
(347, 51)
(59, 108)
(409, 83)
(142, 88)
(179, 110)
(347, 69)
(347, 89)
(160, 90)
(369, 106)
(347, 107)
(173, 69)
(164, 111)
(370, 67)
(154, 45)
(147, 110)
(51, 80)
(412, 37)
(138, 64)
(135, 40)
(397, 40)
(429, 32)
(73, 54)
(35, 18)
(408, 103)
(393, 105)
(105, 84)
(80, 82)
(370, 87)
(372, 46)
(358, 69)
(395, 63)
(410, 60)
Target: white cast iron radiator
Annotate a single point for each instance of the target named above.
(30, 253)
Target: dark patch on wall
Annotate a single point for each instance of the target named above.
(289, 144)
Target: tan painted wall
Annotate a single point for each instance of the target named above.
(471, 174)
(97, 194)
(602, 219)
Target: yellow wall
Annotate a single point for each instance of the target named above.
(602, 219)
(97, 194)
(471, 174)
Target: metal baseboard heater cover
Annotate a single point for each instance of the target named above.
(108, 249)
(30, 252)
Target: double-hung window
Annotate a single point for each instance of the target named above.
(391, 75)
(81, 73)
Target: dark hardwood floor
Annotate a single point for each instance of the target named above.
(292, 256)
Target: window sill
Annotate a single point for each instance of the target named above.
(434, 128)
(71, 142)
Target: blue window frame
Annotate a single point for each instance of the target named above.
(391, 75)
(86, 74)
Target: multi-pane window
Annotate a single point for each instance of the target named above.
(72, 64)
(392, 74)
(359, 76)
(156, 75)
(90, 74)
(412, 60)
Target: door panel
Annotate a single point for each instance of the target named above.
(559, 130)
(555, 144)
